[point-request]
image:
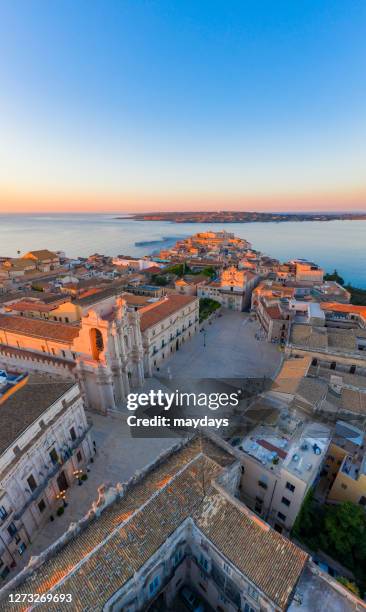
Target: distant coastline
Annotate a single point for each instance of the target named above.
(242, 217)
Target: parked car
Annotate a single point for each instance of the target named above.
(192, 600)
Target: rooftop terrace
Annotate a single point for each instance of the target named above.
(289, 444)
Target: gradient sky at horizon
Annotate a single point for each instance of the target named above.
(157, 105)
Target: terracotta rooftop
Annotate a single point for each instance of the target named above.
(153, 315)
(24, 306)
(152, 270)
(105, 555)
(41, 255)
(61, 332)
(274, 312)
(346, 308)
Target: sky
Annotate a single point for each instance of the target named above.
(119, 105)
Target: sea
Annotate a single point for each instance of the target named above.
(333, 245)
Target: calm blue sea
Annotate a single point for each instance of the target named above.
(334, 244)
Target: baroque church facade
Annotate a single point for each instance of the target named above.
(104, 352)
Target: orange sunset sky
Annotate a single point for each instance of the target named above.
(125, 106)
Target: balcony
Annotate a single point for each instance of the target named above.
(38, 490)
(75, 443)
(66, 454)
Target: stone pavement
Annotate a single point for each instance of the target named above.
(226, 348)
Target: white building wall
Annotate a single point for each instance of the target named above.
(29, 455)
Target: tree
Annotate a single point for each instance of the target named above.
(344, 534)
(209, 271)
(334, 277)
(178, 269)
(351, 586)
(307, 521)
(160, 280)
(358, 296)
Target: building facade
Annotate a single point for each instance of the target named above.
(44, 441)
(280, 466)
(104, 351)
(166, 326)
(233, 290)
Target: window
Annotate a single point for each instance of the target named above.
(96, 342)
(5, 572)
(227, 569)
(281, 516)
(344, 486)
(21, 548)
(3, 513)
(72, 434)
(66, 319)
(154, 585)
(258, 505)
(79, 456)
(362, 501)
(262, 484)
(32, 482)
(12, 529)
(204, 562)
(41, 506)
(54, 456)
(290, 487)
(178, 555)
(248, 608)
(285, 501)
(253, 593)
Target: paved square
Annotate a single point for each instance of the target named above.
(227, 348)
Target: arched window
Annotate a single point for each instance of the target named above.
(97, 344)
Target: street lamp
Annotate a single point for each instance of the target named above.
(78, 474)
(62, 496)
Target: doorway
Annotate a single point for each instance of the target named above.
(62, 482)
